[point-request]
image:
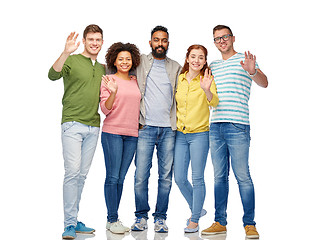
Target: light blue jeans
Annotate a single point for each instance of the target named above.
(163, 139)
(229, 143)
(79, 142)
(118, 154)
(192, 147)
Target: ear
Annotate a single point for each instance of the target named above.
(150, 43)
(83, 41)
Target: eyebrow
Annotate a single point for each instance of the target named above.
(160, 38)
(201, 55)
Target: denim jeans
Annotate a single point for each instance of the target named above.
(118, 154)
(192, 147)
(163, 139)
(79, 143)
(229, 143)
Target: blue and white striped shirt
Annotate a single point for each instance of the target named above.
(233, 88)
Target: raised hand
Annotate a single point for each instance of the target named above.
(71, 44)
(249, 63)
(206, 80)
(110, 84)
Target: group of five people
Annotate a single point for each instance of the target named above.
(149, 102)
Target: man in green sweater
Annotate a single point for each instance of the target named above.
(80, 118)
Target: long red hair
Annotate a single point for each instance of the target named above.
(186, 64)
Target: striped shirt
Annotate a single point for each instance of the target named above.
(233, 88)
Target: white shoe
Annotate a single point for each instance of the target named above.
(108, 225)
(117, 227)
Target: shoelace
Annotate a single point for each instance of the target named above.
(160, 221)
(249, 227)
(81, 224)
(69, 228)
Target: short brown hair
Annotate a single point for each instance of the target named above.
(186, 64)
(118, 47)
(92, 28)
(219, 27)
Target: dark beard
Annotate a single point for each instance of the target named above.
(159, 55)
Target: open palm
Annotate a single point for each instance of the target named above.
(71, 44)
(110, 84)
(206, 80)
(249, 63)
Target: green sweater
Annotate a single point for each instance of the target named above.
(82, 83)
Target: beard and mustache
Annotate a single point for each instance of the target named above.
(161, 54)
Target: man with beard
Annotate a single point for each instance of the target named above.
(157, 77)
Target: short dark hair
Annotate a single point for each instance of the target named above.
(219, 27)
(92, 28)
(159, 28)
(118, 47)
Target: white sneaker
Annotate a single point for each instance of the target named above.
(108, 225)
(117, 227)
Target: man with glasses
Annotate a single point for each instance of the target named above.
(230, 129)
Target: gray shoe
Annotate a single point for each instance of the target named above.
(140, 224)
(160, 225)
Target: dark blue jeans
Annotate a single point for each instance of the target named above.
(229, 143)
(118, 154)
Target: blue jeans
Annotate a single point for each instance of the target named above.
(79, 143)
(163, 139)
(194, 147)
(229, 143)
(118, 154)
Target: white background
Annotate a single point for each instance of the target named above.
(285, 146)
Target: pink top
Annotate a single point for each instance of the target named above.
(123, 118)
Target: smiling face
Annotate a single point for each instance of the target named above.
(92, 44)
(224, 46)
(159, 44)
(196, 60)
(123, 62)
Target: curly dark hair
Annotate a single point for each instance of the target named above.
(118, 47)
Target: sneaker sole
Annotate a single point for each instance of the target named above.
(161, 231)
(213, 233)
(118, 232)
(86, 232)
(68, 237)
(138, 229)
(253, 236)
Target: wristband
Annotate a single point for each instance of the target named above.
(255, 73)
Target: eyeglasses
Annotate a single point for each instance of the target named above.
(224, 37)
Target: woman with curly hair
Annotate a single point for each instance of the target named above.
(120, 102)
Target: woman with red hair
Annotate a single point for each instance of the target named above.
(196, 91)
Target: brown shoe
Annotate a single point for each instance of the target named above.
(216, 228)
(251, 232)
